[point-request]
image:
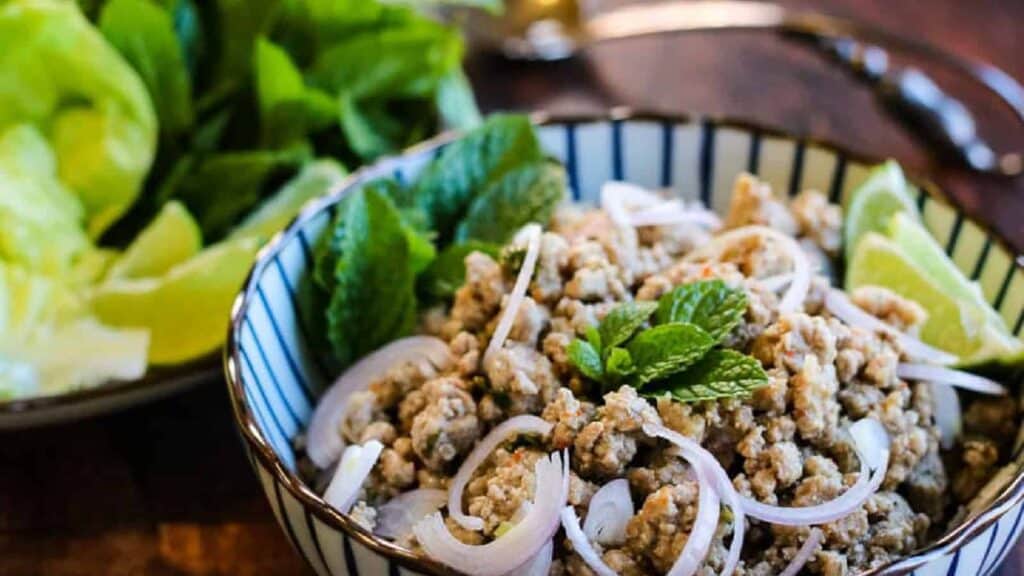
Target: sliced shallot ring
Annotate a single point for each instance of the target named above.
(709, 471)
(673, 213)
(840, 305)
(532, 233)
(609, 512)
(804, 553)
(524, 540)
(960, 379)
(615, 195)
(948, 414)
(356, 464)
(580, 543)
(794, 297)
(323, 442)
(524, 424)
(539, 565)
(397, 516)
(871, 443)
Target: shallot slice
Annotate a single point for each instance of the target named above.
(356, 464)
(531, 233)
(539, 565)
(397, 516)
(871, 443)
(840, 305)
(323, 442)
(582, 546)
(804, 553)
(523, 424)
(672, 213)
(965, 380)
(524, 540)
(795, 295)
(616, 195)
(714, 479)
(948, 415)
(609, 511)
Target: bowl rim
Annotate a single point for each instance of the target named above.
(1011, 495)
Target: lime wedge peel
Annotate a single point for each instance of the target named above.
(186, 309)
(893, 249)
(873, 204)
(170, 239)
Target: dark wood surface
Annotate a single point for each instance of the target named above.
(164, 489)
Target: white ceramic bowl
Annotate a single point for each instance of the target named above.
(274, 380)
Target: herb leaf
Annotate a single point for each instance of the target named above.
(448, 186)
(522, 195)
(587, 359)
(667, 349)
(623, 321)
(720, 374)
(594, 337)
(618, 367)
(370, 304)
(709, 304)
(143, 32)
(448, 271)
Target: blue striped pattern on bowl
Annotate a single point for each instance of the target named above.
(274, 379)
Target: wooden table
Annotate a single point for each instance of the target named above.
(164, 489)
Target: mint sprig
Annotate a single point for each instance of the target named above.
(720, 374)
(677, 355)
(623, 321)
(664, 350)
(710, 304)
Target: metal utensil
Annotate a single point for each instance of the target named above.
(909, 93)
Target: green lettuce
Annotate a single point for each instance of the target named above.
(58, 73)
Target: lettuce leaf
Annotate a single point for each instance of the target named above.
(57, 70)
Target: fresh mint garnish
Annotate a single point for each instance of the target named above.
(623, 321)
(619, 367)
(370, 304)
(720, 374)
(667, 349)
(676, 356)
(448, 271)
(709, 304)
(587, 359)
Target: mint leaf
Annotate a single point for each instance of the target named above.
(525, 194)
(709, 304)
(594, 337)
(448, 271)
(666, 349)
(587, 359)
(720, 374)
(372, 301)
(448, 186)
(623, 321)
(143, 32)
(618, 367)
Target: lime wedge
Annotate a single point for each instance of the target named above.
(874, 202)
(171, 238)
(920, 247)
(186, 310)
(954, 324)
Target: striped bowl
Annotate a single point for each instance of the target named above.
(274, 379)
